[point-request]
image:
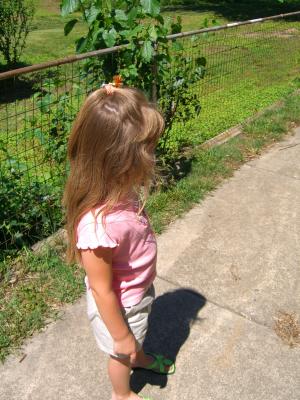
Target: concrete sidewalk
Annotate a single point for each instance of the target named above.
(225, 270)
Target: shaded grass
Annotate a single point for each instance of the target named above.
(236, 10)
(34, 287)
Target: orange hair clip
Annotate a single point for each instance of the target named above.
(117, 80)
(109, 87)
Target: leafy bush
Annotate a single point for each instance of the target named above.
(136, 23)
(59, 113)
(15, 19)
(150, 61)
(29, 210)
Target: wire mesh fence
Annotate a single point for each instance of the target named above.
(248, 66)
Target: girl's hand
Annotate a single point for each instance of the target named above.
(126, 345)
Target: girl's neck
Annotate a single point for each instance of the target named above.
(131, 195)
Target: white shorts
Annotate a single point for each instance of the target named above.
(135, 316)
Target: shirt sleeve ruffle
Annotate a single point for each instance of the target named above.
(91, 237)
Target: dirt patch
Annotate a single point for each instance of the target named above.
(287, 328)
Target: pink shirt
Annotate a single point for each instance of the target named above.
(134, 248)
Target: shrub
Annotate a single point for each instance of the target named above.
(58, 113)
(29, 210)
(150, 61)
(15, 20)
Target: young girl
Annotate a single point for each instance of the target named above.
(111, 154)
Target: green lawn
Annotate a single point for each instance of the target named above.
(47, 41)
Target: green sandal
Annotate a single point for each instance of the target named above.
(158, 365)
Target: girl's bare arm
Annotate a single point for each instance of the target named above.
(98, 266)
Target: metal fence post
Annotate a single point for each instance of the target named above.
(154, 75)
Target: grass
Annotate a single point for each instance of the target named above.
(46, 41)
(34, 287)
(32, 291)
(210, 167)
(244, 75)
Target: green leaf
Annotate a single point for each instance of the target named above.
(130, 34)
(177, 46)
(81, 44)
(162, 32)
(110, 37)
(147, 51)
(40, 136)
(92, 14)
(130, 72)
(151, 7)
(199, 72)
(153, 33)
(69, 26)
(160, 19)
(201, 61)
(107, 4)
(176, 28)
(69, 6)
(133, 70)
(131, 15)
(45, 102)
(96, 33)
(120, 15)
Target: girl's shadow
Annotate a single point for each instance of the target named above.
(170, 320)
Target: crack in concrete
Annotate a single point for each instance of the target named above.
(227, 308)
(291, 145)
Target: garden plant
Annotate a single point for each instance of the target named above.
(15, 20)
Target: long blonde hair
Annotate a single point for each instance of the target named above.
(111, 150)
